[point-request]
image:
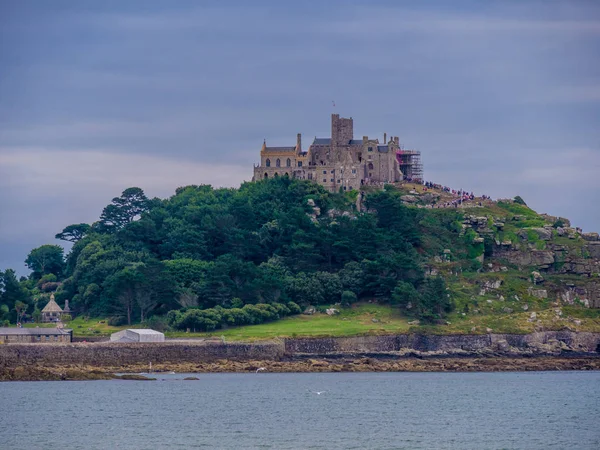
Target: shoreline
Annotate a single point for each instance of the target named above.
(75, 372)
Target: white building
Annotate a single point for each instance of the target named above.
(137, 335)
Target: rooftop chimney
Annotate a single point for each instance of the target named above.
(299, 143)
(385, 138)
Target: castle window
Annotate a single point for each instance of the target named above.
(299, 163)
(324, 172)
(268, 162)
(370, 157)
(333, 171)
(324, 180)
(310, 176)
(278, 162)
(353, 170)
(332, 180)
(370, 166)
(288, 163)
(370, 149)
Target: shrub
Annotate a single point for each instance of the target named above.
(158, 323)
(294, 308)
(117, 321)
(348, 297)
(519, 200)
(66, 317)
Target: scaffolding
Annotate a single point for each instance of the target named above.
(409, 162)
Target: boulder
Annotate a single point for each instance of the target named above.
(492, 284)
(537, 277)
(331, 311)
(310, 310)
(544, 234)
(538, 293)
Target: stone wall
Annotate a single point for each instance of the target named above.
(113, 354)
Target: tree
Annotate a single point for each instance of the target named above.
(47, 259)
(20, 309)
(12, 291)
(37, 314)
(74, 233)
(124, 209)
(121, 286)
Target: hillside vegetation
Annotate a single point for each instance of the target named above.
(245, 263)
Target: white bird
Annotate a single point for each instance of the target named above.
(320, 392)
(260, 369)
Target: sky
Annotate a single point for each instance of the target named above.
(501, 97)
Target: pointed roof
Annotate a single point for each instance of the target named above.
(52, 306)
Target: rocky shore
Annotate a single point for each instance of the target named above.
(364, 364)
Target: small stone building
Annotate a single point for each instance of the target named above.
(35, 335)
(137, 335)
(51, 312)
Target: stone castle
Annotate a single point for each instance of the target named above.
(342, 162)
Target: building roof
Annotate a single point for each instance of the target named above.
(52, 306)
(280, 149)
(143, 331)
(382, 148)
(321, 141)
(356, 142)
(33, 331)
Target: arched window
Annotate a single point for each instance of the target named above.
(288, 163)
(268, 162)
(276, 175)
(266, 175)
(370, 166)
(278, 162)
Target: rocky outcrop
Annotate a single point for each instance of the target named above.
(591, 236)
(545, 234)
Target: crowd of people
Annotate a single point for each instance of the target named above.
(460, 195)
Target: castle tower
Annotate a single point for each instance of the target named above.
(342, 130)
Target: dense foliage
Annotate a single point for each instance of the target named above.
(213, 257)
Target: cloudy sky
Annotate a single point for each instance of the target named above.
(502, 98)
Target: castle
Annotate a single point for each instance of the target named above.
(342, 162)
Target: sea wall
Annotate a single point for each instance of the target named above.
(111, 354)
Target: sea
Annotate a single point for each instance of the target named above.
(530, 410)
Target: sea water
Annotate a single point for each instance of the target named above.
(534, 410)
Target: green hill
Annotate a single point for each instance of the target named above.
(243, 263)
